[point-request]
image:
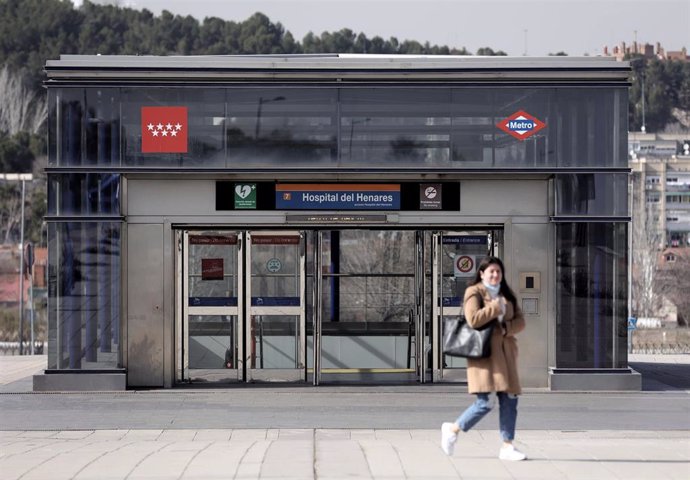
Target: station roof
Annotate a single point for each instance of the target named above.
(338, 67)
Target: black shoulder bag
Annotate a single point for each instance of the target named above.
(461, 340)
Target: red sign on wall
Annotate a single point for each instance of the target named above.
(164, 129)
(521, 125)
(212, 269)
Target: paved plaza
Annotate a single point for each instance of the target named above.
(142, 435)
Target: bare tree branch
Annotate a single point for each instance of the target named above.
(21, 109)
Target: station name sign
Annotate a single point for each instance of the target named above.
(300, 196)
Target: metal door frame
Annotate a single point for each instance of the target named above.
(420, 312)
(182, 321)
(438, 310)
(421, 346)
(284, 374)
(317, 302)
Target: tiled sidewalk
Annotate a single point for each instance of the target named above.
(337, 454)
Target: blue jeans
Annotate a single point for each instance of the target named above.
(483, 405)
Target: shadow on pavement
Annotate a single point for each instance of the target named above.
(663, 376)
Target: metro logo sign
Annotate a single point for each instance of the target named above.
(521, 125)
(164, 129)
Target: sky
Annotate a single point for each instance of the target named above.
(531, 27)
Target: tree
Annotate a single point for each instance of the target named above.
(647, 243)
(675, 278)
(486, 51)
(21, 108)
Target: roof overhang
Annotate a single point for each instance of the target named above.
(337, 68)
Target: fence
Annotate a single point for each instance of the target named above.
(12, 348)
(661, 340)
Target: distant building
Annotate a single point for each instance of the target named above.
(9, 275)
(661, 169)
(647, 50)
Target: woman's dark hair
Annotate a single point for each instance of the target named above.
(505, 289)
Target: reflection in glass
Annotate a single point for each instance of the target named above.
(84, 194)
(70, 116)
(212, 342)
(286, 127)
(212, 270)
(394, 126)
(439, 127)
(592, 194)
(102, 128)
(84, 295)
(591, 292)
(274, 341)
(205, 122)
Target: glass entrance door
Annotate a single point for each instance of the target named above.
(368, 306)
(210, 347)
(274, 298)
(243, 310)
(454, 263)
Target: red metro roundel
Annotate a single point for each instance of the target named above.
(521, 125)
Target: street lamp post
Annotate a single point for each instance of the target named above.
(258, 112)
(22, 177)
(352, 132)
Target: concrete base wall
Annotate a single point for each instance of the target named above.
(599, 381)
(80, 382)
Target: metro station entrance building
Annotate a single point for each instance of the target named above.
(231, 219)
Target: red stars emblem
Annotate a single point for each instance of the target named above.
(164, 129)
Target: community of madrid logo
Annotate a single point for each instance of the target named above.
(521, 125)
(164, 129)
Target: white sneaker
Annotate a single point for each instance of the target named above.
(448, 438)
(511, 453)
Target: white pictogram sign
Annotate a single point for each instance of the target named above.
(274, 265)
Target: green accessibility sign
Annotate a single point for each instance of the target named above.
(245, 196)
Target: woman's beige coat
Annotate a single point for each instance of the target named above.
(498, 373)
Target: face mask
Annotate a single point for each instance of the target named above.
(493, 289)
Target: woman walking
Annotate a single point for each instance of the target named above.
(488, 297)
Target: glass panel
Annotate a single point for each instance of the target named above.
(474, 127)
(531, 152)
(286, 127)
(52, 127)
(431, 127)
(274, 341)
(212, 270)
(592, 194)
(84, 295)
(212, 343)
(455, 250)
(102, 127)
(368, 299)
(204, 122)
(84, 194)
(276, 274)
(591, 292)
(400, 127)
(275, 270)
(70, 118)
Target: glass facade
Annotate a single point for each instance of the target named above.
(95, 133)
(592, 295)
(385, 127)
(84, 295)
(592, 194)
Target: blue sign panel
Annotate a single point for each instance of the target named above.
(337, 197)
(466, 240)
